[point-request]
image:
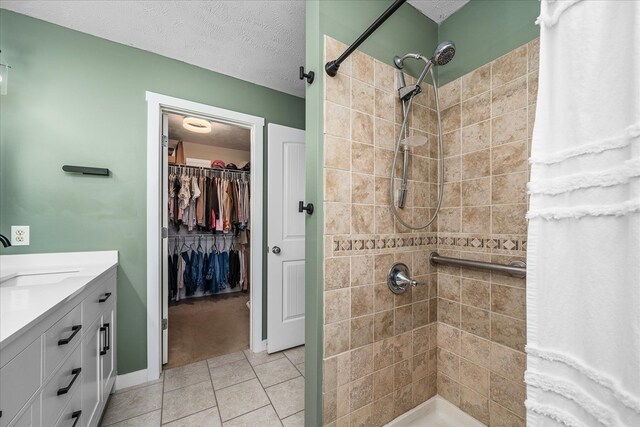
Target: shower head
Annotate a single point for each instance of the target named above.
(444, 53)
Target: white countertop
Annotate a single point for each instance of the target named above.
(23, 306)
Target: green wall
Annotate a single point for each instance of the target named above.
(77, 99)
(484, 30)
(407, 30)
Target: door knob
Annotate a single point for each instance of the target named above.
(275, 250)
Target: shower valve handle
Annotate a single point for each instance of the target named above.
(399, 278)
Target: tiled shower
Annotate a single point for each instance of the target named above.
(461, 332)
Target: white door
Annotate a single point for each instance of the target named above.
(285, 263)
(165, 239)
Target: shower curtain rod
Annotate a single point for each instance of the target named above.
(332, 67)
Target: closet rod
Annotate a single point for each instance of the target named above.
(215, 236)
(210, 169)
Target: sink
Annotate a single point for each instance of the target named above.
(34, 279)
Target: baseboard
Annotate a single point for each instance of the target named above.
(131, 379)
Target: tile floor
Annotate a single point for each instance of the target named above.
(237, 389)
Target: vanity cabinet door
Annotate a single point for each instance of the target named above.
(108, 350)
(19, 381)
(91, 395)
(30, 417)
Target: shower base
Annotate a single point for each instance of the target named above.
(435, 412)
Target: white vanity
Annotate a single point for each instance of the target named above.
(57, 338)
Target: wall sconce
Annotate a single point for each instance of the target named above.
(4, 78)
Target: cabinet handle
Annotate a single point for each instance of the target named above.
(108, 340)
(103, 339)
(75, 330)
(76, 373)
(105, 297)
(76, 415)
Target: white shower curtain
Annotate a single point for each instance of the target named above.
(583, 285)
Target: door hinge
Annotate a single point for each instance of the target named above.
(165, 324)
(165, 141)
(165, 232)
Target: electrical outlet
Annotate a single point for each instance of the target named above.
(20, 235)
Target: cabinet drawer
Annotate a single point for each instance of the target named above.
(61, 338)
(72, 414)
(19, 380)
(63, 384)
(97, 301)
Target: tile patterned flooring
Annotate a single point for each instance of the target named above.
(238, 389)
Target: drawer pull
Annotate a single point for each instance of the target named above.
(76, 373)
(108, 347)
(103, 340)
(105, 297)
(66, 341)
(106, 339)
(76, 415)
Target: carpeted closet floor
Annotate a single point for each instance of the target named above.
(201, 328)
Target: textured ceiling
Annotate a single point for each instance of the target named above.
(258, 41)
(222, 135)
(438, 10)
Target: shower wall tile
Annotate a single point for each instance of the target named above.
(533, 54)
(362, 96)
(449, 94)
(336, 120)
(384, 104)
(476, 109)
(384, 134)
(476, 136)
(362, 67)
(337, 153)
(476, 192)
(481, 315)
(451, 118)
(451, 145)
(532, 81)
(509, 67)
(476, 164)
(474, 404)
(509, 127)
(385, 76)
(476, 82)
(501, 417)
(361, 127)
(509, 158)
(333, 49)
(462, 333)
(509, 97)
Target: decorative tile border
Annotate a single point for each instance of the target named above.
(350, 244)
(356, 244)
(491, 243)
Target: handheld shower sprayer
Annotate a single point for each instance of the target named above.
(442, 55)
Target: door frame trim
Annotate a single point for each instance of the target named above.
(156, 104)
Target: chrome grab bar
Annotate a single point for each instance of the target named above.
(515, 268)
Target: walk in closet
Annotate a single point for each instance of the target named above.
(209, 237)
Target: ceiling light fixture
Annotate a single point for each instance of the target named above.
(194, 124)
